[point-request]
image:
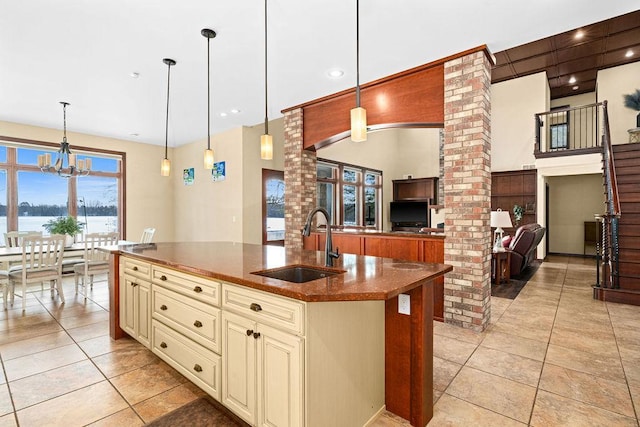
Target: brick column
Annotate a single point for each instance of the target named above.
(299, 178)
(467, 189)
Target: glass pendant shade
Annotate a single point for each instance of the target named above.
(358, 124)
(165, 168)
(266, 147)
(208, 158)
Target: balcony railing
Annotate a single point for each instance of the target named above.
(568, 131)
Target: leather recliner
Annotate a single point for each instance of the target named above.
(523, 246)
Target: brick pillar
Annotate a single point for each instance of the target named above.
(299, 178)
(467, 189)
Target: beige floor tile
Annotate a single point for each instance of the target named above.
(595, 342)
(124, 360)
(147, 381)
(506, 365)
(53, 383)
(501, 395)
(8, 420)
(105, 344)
(5, 400)
(593, 364)
(166, 402)
(518, 330)
(624, 311)
(520, 346)
(456, 332)
(452, 412)
(126, 417)
(32, 364)
(33, 345)
(24, 321)
(635, 397)
(436, 395)
(553, 410)
(87, 332)
(452, 349)
(84, 319)
(443, 373)
(32, 331)
(16, 311)
(77, 309)
(3, 379)
(77, 408)
(387, 419)
(606, 394)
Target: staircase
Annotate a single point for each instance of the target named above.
(626, 289)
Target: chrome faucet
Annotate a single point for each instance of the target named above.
(329, 255)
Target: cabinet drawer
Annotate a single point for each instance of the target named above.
(277, 311)
(196, 320)
(189, 358)
(205, 290)
(135, 268)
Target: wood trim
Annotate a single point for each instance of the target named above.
(115, 331)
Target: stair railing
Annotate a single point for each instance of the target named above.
(610, 246)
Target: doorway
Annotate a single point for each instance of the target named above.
(272, 207)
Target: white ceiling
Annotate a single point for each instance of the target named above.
(83, 52)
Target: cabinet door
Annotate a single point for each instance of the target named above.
(280, 378)
(143, 315)
(127, 305)
(239, 366)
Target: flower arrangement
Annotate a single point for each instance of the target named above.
(518, 211)
(632, 101)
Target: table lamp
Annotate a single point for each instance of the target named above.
(499, 219)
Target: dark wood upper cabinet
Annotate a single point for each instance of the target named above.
(417, 189)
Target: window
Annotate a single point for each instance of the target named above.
(351, 194)
(272, 207)
(559, 129)
(29, 197)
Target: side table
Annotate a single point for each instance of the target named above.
(501, 266)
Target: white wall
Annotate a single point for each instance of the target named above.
(149, 197)
(612, 84)
(513, 105)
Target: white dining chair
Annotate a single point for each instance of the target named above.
(13, 239)
(41, 261)
(95, 260)
(147, 235)
(4, 286)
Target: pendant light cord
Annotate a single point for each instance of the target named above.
(266, 103)
(166, 128)
(208, 97)
(357, 53)
(64, 120)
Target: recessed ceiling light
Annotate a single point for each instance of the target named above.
(223, 114)
(235, 111)
(134, 75)
(572, 80)
(575, 87)
(134, 134)
(629, 54)
(335, 73)
(579, 34)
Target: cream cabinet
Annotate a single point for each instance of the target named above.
(135, 297)
(263, 372)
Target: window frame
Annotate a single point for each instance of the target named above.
(12, 168)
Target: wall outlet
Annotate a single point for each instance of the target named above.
(404, 304)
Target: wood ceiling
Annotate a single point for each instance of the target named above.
(563, 56)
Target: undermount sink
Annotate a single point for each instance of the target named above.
(298, 273)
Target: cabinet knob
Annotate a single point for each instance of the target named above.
(256, 335)
(197, 289)
(197, 368)
(197, 324)
(249, 332)
(163, 277)
(134, 284)
(163, 344)
(135, 268)
(163, 307)
(255, 307)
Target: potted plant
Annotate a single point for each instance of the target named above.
(518, 211)
(632, 101)
(69, 226)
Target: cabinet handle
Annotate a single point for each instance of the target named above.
(197, 368)
(163, 277)
(256, 335)
(197, 324)
(134, 284)
(255, 307)
(163, 344)
(163, 307)
(249, 332)
(135, 268)
(197, 289)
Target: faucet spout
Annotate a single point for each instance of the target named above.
(329, 255)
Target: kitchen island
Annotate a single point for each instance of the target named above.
(331, 351)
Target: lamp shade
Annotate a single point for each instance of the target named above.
(266, 147)
(358, 124)
(500, 219)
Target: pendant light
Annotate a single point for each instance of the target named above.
(358, 114)
(65, 165)
(208, 153)
(165, 168)
(266, 140)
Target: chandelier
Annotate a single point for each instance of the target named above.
(66, 164)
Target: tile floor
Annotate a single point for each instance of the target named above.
(553, 356)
